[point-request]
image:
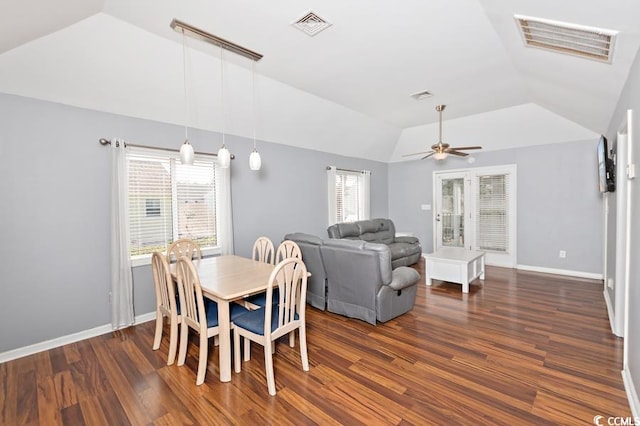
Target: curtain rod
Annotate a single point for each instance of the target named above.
(104, 141)
(347, 170)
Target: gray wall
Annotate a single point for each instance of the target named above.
(559, 206)
(630, 99)
(54, 213)
(289, 193)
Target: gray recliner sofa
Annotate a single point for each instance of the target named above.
(355, 278)
(405, 250)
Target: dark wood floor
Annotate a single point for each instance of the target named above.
(520, 348)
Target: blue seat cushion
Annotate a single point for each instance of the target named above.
(254, 320)
(260, 299)
(211, 307)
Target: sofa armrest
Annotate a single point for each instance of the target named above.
(406, 239)
(403, 277)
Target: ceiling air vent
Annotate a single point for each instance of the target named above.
(571, 39)
(424, 94)
(311, 24)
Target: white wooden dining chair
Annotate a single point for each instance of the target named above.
(197, 314)
(263, 250)
(183, 247)
(167, 304)
(274, 320)
(288, 249)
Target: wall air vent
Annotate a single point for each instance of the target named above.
(311, 24)
(571, 39)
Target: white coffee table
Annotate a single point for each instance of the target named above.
(455, 265)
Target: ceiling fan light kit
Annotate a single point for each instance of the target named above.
(441, 150)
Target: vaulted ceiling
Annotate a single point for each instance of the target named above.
(345, 90)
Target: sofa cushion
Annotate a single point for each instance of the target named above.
(348, 230)
(300, 237)
(405, 250)
(399, 250)
(376, 230)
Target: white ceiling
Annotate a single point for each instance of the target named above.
(347, 89)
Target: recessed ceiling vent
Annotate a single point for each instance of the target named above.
(571, 39)
(424, 94)
(311, 24)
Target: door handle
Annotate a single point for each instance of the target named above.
(438, 217)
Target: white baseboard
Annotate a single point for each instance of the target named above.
(69, 338)
(632, 395)
(610, 313)
(578, 274)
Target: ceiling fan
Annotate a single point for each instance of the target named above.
(440, 150)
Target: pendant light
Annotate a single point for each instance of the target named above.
(255, 162)
(224, 156)
(186, 150)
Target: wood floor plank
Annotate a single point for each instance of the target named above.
(520, 348)
(92, 412)
(27, 390)
(48, 407)
(119, 381)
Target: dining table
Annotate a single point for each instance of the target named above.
(227, 279)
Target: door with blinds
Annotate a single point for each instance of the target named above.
(451, 207)
(488, 214)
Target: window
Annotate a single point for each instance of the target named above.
(169, 200)
(492, 213)
(348, 195)
(153, 207)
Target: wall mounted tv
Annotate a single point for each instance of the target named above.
(606, 167)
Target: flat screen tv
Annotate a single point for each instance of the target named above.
(606, 168)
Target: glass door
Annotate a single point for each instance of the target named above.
(476, 209)
(450, 212)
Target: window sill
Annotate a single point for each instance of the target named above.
(145, 259)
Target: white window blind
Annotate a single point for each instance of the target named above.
(349, 195)
(492, 212)
(169, 200)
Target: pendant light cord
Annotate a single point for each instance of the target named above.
(184, 84)
(222, 92)
(253, 90)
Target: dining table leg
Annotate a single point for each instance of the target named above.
(224, 321)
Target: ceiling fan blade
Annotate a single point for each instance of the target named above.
(428, 155)
(465, 147)
(416, 153)
(454, 152)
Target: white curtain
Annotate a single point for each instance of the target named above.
(365, 195)
(224, 209)
(121, 276)
(331, 189)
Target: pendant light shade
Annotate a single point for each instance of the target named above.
(255, 162)
(224, 157)
(186, 153)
